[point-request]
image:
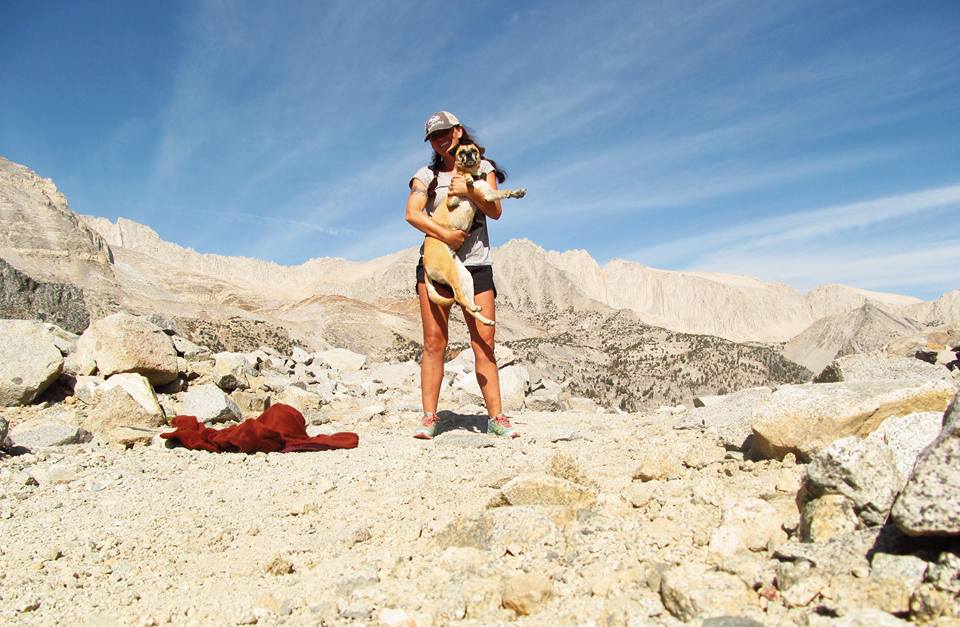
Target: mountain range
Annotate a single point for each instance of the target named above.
(369, 306)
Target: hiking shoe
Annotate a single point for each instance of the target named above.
(501, 425)
(427, 428)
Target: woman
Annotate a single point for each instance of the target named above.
(428, 189)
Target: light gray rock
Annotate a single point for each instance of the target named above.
(862, 470)
(728, 416)
(906, 436)
(116, 412)
(871, 367)
(299, 398)
(209, 404)
(908, 568)
(125, 343)
(828, 516)
(692, 591)
(232, 371)
(840, 555)
(42, 433)
(341, 359)
(930, 502)
(137, 386)
(802, 419)
(4, 427)
(301, 356)
(748, 524)
(523, 528)
(547, 395)
(186, 348)
(29, 361)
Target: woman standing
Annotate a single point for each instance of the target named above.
(429, 188)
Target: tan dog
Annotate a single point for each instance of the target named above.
(440, 262)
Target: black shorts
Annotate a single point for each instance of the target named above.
(482, 279)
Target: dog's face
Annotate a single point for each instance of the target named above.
(468, 156)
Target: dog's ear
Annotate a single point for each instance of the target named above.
(453, 151)
(483, 151)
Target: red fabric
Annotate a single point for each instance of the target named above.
(280, 428)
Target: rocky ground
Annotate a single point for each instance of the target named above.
(805, 504)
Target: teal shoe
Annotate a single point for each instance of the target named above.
(501, 425)
(428, 427)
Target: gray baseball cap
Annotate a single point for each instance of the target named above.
(440, 121)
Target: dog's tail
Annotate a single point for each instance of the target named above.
(434, 295)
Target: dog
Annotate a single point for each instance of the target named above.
(440, 262)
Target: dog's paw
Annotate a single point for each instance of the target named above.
(520, 193)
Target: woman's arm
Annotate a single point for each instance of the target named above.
(417, 217)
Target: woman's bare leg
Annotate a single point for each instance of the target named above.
(482, 341)
(436, 332)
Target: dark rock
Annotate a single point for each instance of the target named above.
(22, 298)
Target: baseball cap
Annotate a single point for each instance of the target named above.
(440, 121)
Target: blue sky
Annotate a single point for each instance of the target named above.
(802, 142)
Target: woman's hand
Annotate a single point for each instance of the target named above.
(455, 238)
(458, 186)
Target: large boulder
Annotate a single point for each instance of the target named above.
(803, 419)
(930, 502)
(125, 343)
(29, 361)
(906, 436)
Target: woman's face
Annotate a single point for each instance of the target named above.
(443, 141)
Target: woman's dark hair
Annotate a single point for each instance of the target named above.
(436, 164)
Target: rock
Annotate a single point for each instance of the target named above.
(279, 565)
(231, 371)
(209, 404)
(462, 439)
(116, 408)
(29, 361)
(125, 343)
(543, 489)
(251, 404)
(4, 427)
(186, 348)
(906, 436)
(748, 524)
(730, 621)
(728, 417)
(524, 528)
(840, 555)
(341, 359)
(565, 466)
(137, 386)
(871, 367)
(803, 419)
(657, 463)
(702, 453)
(862, 470)
(299, 398)
(525, 594)
(692, 591)
(42, 433)
(907, 568)
(930, 501)
(888, 595)
(514, 381)
(78, 363)
(799, 585)
(23, 298)
(547, 396)
(860, 617)
(301, 356)
(826, 517)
